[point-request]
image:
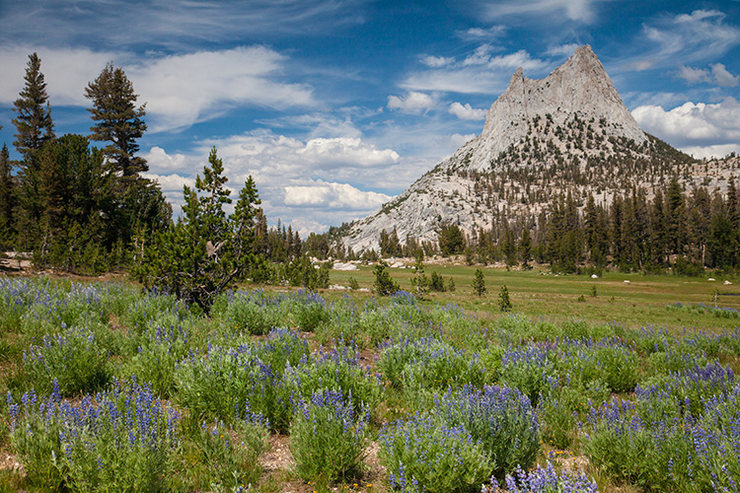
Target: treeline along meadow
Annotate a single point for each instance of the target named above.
(88, 209)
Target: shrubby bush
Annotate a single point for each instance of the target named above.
(158, 356)
(679, 435)
(607, 360)
(249, 313)
(283, 347)
(154, 310)
(422, 454)
(219, 457)
(338, 370)
(428, 363)
(544, 480)
(527, 369)
(328, 437)
(467, 436)
(501, 419)
(121, 439)
(224, 383)
(73, 360)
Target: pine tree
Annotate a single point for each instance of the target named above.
(384, 285)
(33, 123)
(205, 252)
(733, 208)
(479, 283)
(525, 248)
(504, 302)
(119, 121)
(7, 200)
(420, 281)
(76, 191)
(675, 217)
(35, 129)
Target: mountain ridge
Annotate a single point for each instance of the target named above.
(567, 132)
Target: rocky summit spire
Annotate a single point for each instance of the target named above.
(567, 133)
(580, 87)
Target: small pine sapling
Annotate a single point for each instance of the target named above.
(479, 283)
(504, 302)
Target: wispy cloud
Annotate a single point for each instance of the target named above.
(483, 33)
(171, 24)
(179, 90)
(676, 40)
(542, 10)
(184, 89)
(562, 50)
(478, 72)
(66, 71)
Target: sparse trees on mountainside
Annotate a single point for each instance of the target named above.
(390, 246)
(451, 239)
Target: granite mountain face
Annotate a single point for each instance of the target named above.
(567, 133)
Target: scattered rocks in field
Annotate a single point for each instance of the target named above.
(594, 276)
(727, 283)
(711, 279)
(278, 456)
(627, 282)
(344, 266)
(338, 287)
(10, 463)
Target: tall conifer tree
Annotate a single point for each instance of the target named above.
(33, 123)
(35, 129)
(118, 120)
(7, 199)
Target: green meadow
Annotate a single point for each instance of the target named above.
(538, 293)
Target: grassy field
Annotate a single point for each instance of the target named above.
(401, 389)
(540, 294)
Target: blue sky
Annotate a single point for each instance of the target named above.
(335, 106)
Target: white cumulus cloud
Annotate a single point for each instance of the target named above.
(692, 126)
(329, 180)
(344, 150)
(723, 77)
(467, 112)
(693, 75)
(413, 102)
(320, 193)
